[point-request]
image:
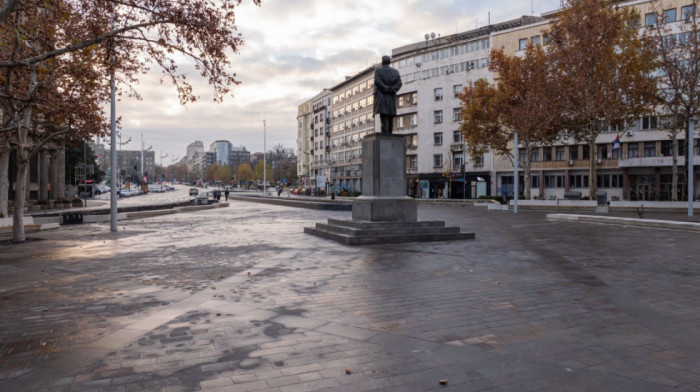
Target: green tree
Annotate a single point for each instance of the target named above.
(223, 174)
(74, 157)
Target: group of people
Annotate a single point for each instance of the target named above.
(217, 194)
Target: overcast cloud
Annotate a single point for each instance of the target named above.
(293, 49)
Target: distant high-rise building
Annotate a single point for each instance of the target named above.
(222, 149)
(193, 150)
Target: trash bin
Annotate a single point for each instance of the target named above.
(70, 218)
(602, 198)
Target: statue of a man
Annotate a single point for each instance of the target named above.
(387, 82)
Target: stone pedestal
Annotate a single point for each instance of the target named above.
(384, 214)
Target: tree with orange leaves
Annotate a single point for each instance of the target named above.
(54, 58)
(676, 47)
(603, 70)
(522, 99)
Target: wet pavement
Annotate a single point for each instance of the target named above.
(240, 299)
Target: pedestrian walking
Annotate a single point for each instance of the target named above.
(226, 192)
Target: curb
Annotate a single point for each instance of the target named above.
(632, 222)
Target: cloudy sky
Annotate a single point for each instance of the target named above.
(293, 49)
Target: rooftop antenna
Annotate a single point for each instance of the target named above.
(532, 7)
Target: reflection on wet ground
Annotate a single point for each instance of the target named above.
(241, 299)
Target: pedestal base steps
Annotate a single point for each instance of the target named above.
(354, 232)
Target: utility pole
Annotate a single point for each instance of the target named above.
(515, 172)
(691, 186)
(112, 149)
(264, 158)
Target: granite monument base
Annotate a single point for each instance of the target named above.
(384, 214)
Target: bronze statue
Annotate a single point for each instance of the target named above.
(387, 83)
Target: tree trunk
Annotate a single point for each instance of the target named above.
(20, 194)
(592, 169)
(674, 167)
(4, 181)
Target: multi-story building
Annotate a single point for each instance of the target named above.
(222, 150)
(352, 118)
(428, 114)
(320, 140)
(239, 155)
(640, 170)
(193, 150)
(304, 117)
(434, 72)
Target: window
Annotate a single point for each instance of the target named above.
(457, 161)
(456, 114)
(560, 153)
(586, 152)
(609, 181)
(400, 101)
(534, 181)
(650, 19)
(666, 148)
(602, 150)
(578, 181)
(522, 44)
(633, 150)
(414, 120)
(670, 15)
(485, 62)
(535, 40)
(650, 122)
(485, 44)
(438, 94)
(437, 116)
(399, 122)
(522, 157)
(437, 160)
(649, 149)
(554, 181)
(547, 154)
(457, 89)
(413, 161)
(456, 137)
(687, 12)
(573, 153)
(535, 157)
(479, 160)
(437, 138)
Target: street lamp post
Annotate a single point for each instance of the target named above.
(691, 186)
(264, 158)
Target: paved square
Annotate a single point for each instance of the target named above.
(240, 299)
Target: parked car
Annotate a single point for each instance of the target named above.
(194, 191)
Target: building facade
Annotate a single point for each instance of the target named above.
(320, 141)
(238, 156)
(352, 118)
(434, 72)
(641, 169)
(194, 149)
(304, 118)
(222, 150)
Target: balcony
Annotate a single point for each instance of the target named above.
(650, 162)
(457, 147)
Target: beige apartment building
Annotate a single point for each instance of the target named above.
(640, 170)
(352, 118)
